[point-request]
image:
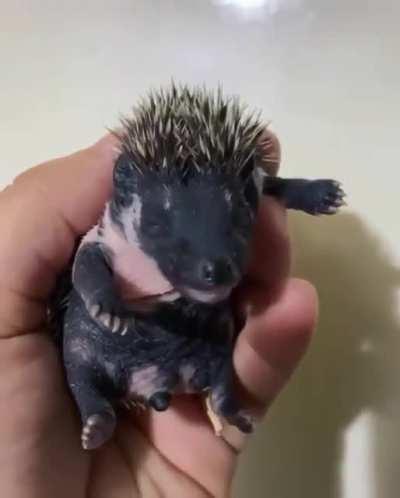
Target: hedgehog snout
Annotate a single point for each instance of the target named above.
(217, 272)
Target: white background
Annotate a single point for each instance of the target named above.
(327, 74)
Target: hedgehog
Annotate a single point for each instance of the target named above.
(145, 311)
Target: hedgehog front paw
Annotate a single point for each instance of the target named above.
(109, 311)
(97, 430)
(326, 196)
(109, 320)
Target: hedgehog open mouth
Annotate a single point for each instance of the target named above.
(208, 296)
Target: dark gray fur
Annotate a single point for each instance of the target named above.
(200, 242)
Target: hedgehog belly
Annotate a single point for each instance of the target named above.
(145, 381)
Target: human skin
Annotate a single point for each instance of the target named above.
(171, 454)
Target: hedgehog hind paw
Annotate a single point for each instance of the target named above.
(97, 430)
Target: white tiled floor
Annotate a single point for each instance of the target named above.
(327, 75)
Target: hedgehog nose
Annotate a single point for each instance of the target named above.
(217, 272)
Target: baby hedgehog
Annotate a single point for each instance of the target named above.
(147, 312)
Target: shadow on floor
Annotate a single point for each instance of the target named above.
(353, 365)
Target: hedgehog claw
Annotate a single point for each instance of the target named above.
(341, 194)
(94, 310)
(106, 319)
(332, 209)
(108, 311)
(117, 324)
(124, 329)
(336, 201)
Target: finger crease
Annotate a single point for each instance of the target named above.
(20, 332)
(20, 294)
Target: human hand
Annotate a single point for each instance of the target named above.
(174, 453)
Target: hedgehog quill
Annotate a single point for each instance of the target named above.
(146, 311)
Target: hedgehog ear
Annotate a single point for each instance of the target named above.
(269, 153)
(125, 176)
